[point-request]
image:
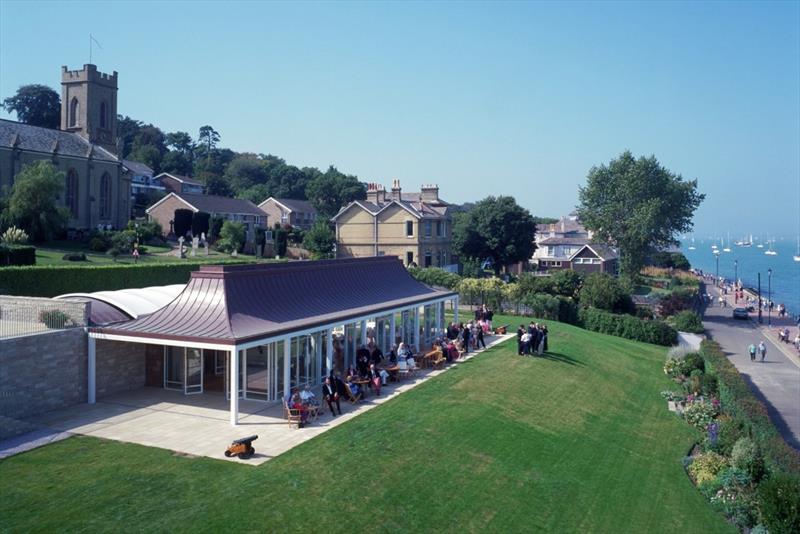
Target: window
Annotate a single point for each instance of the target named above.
(284, 216)
(103, 115)
(105, 196)
(409, 258)
(428, 258)
(439, 228)
(74, 108)
(550, 251)
(71, 192)
(428, 228)
(409, 228)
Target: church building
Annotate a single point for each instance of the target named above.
(96, 185)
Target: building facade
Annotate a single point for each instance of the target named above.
(96, 186)
(415, 227)
(175, 183)
(230, 209)
(288, 211)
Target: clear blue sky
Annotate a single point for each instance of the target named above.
(519, 99)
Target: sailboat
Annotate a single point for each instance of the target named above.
(726, 248)
(796, 257)
(692, 247)
(770, 252)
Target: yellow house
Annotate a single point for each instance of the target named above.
(415, 227)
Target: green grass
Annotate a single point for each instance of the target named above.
(580, 441)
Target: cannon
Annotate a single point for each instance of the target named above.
(243, 448)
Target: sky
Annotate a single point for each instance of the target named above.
(517, 99)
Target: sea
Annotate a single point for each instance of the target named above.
(751, 261)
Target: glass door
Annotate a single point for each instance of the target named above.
(194, 371)
(174, 368)
(258, 372)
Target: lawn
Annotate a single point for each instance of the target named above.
(580, 441)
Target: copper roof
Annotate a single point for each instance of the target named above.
(232, 304)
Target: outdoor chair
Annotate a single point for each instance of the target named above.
(436, 359)
(352, 398)
(294, 416)
(403, 370)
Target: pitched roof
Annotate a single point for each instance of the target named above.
(48, 141)
(604, 252)
(232, 304)
(563, 241)
(564, 225)
(137, 168)
(423, 211)
(214, 204)
(180, 178)
(302, 206)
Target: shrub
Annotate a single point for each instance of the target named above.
(705, 467)
(200, 223)
(730, 431)
(434, 276)
(710, 385)
(17, 255)
(627, 326)
(747, 457)
(74, 256)
(700, 414)
(215, 226)
(182, 222)
(779, 497)
(231, 237)
(691, 362)
(14, 236)
(603, 291)
(688, 321)
(100, 243)
(673, 304)
(54, 318)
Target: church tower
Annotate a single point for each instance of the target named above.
(89, 105)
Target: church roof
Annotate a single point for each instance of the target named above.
(233, 304)
(48, 141)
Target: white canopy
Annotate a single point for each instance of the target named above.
(134, 302)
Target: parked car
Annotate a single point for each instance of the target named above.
(740, 313)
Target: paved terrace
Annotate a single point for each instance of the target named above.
(199, 425)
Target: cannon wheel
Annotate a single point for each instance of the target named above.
(247, 454)
(227, 454)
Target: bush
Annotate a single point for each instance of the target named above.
(14, 236)
(779, 497)
(747, 457)
(100, 242)
(603, 291)
(74, 256)
(700, 414)
(215, 226)
(54, 318)
(434, 276)
(53, 280)
(691, 362)
(688, 321)
(17, 255)
(182, 222)
(730, 431)
(627, 326)
(200, 223)
(705, 467)
(231, 237)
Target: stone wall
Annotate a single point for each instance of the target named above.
(120, 367)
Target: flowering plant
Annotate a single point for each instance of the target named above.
(672, 396)
(699, 414)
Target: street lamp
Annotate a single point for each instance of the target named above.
(735, 281)
(716, 280)
(760, 320)
(769, 296)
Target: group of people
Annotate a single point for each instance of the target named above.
(305, 402)
(532, 340)
(760, 349)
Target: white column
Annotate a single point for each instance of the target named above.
(234, 385)
(91, 369)
(329, 351)
(364, 332)
(438, 310)
(416, 328)
(287, 366)
(455, 309)
(392, 330)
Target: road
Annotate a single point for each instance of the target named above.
(776, 381)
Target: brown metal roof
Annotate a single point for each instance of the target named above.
(232, 304)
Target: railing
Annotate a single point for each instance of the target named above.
(23, 316)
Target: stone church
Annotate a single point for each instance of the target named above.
(96, 184)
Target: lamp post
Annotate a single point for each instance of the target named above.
(760, 320)
(735, 281)
(769, 296)
(716, 278)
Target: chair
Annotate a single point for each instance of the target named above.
(437, 359)
(352, 398)
(402, 366)
(293, 415)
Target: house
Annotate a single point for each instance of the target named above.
(144, 189)
(415, 227)
(557, 242)
(296, 213)
(230, 209)
(595, 258)
(96, 186)
(176, 183)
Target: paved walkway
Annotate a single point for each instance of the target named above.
(776, 381)
(197, 425)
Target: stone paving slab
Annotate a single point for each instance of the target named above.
(198, 424)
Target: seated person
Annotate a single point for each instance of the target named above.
(297, 404)
(393, 354)
(354, 389)
(308, 398)
(375, 379)
(362, 361)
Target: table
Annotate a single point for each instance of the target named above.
(363, 385)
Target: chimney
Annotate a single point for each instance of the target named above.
(376, 193)
(430, 194)
(396, 191)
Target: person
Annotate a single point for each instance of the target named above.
(526, 344)
(520, 333)
(452, 352)
(393, 354)
(354, 389)
(308, 397)
(480, 340)
(540, 340)
(544, 336)
(362, 360)
(465, 337)
(331, 396)
(762, 349)
(752, 350)
(298, 405)
(375, 379)
(376, 356)
(488, 316)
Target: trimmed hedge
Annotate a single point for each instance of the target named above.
(17, 255)
(739, 401)
(628, 326)
(53, 280)
(434, 276)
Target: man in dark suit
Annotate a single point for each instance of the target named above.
(331, 395)
(520, 332)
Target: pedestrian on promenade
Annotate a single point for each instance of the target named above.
(752, 350)
(762, 349)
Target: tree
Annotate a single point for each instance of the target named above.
(231, 237)
(246, 171)
(215, 184)
(32, 204)
(176, 162)
(35, 104)
(127, 129)
(497, 228)
(331, 191)
(566, 282)
(181, 142)
(207, 139)
(601, 290)
(320, 240)
(637, 205)
(182, 222)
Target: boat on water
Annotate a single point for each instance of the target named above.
(770, 252)
(726, 248)
(745, 242)
(796, 257)
(692, 247)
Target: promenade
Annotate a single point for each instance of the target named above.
(776, 381)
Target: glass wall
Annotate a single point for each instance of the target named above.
(173, 368)
(428, 326)
(259, 383)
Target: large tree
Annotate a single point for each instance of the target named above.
(330, 191)
(35, 104)
(32, 204)
(320, 240)
(496, 228)
(637, 205)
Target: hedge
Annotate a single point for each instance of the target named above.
(53, 280)
(627, 326)
(434, 276)
(739, 401)
(17, 255)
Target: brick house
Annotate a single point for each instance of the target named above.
(230, 209)
(296, 213)
(176, 183)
